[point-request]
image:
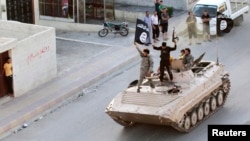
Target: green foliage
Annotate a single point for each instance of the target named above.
(170, 11)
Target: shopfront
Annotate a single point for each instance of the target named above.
(76, 11)
(99, 9)
(17, 10)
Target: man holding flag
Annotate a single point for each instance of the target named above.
(146, 68)
(141, 36)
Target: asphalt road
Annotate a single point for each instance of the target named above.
(84, 119)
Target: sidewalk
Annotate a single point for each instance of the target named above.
(30, 106)
(71, 81)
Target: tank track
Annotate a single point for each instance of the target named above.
(225, 88)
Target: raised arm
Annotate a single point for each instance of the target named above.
(156, 48)
(136, 46)
(173, 48)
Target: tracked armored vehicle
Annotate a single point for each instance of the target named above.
(191, 97)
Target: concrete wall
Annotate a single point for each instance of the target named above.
(190, 4)
(131, 13)
(130, 16)
(6, 43)
(33, 54)
(3, 13)
(68, 26)
(177, 4)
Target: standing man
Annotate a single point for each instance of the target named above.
(188, 59)
(206, 27)
(146, 66)
(161, 7)
(157, 9)
(191, 26)
(164, 23)
(155, 26)
(165, 59)
(8, 74)
(147, 20)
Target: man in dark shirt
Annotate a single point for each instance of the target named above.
(206, 28)
(157, 4)
(165, 59)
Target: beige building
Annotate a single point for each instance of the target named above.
(27, 35)
(32, 49)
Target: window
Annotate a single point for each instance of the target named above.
(56, 8)
(95, 9)
(87, 11)
(198, 10)
(110, 14)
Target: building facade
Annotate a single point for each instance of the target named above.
(75, 14)
(49, 12)
(177, 4)
(32, 49)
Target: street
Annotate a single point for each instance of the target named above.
(84, 118)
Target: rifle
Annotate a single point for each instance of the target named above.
(173, 36)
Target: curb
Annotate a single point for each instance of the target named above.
(74, 85)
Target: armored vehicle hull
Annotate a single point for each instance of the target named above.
(189, 99)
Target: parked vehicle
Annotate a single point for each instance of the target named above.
(233, 9)
(121, 28)
(192, 97)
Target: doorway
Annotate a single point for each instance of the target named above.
(3, 83)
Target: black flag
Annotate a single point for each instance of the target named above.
(141, 32)
(224, 24)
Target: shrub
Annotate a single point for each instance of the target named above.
(170, 11)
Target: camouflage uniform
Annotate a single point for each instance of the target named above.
(146, 67)
(188, 61)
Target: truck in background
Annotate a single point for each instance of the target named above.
(233, 9)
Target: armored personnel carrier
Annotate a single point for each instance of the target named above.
(191, 97)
